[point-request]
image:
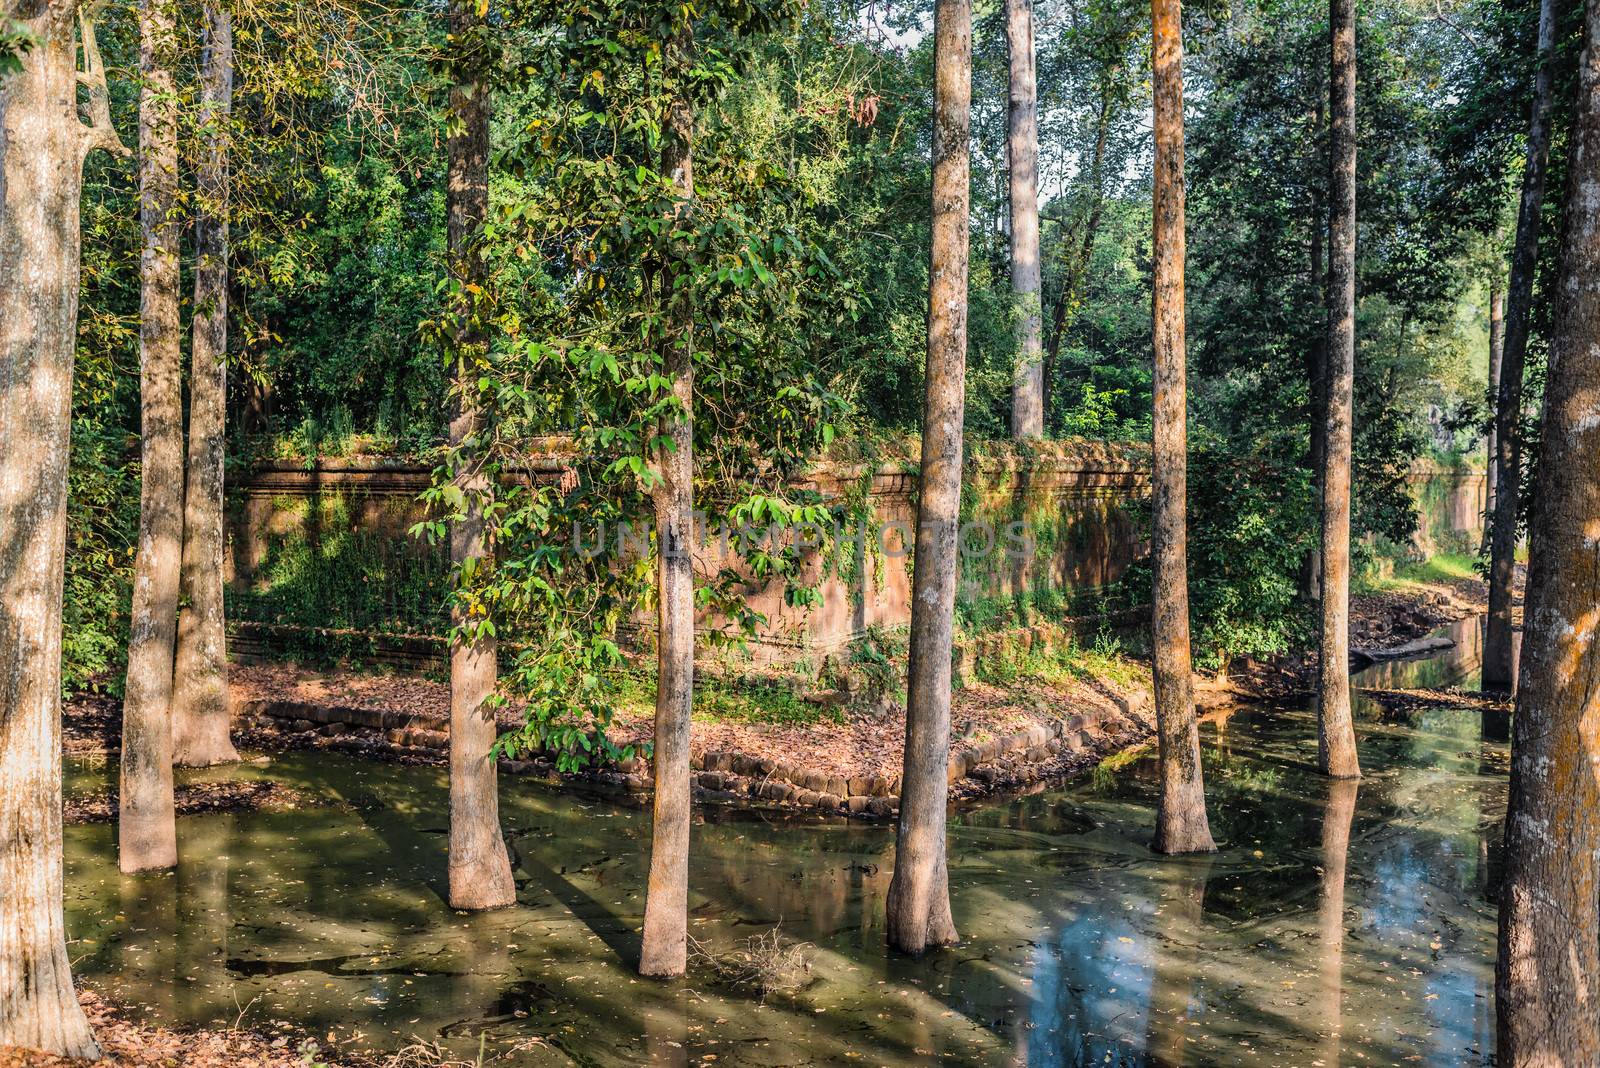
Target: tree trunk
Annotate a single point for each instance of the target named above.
(1497, 349)
(666, 908)
(1499, 669)
(480, 867)
(919, 894)
(1336, 735)
(42, 148)
(147, 835)
(1549, 909)
(1181, 825)
(200, 700)
(1022, 144)
(1317, 366)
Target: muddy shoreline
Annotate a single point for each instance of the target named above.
(1005, 742)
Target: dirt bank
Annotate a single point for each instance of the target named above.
(1032, 708)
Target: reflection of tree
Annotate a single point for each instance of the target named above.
(1336, 820)
(1180, 914)
(665, 1031)
(150, 943)
(204, 917)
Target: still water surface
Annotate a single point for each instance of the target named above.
(1338, 924)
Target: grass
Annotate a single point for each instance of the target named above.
(719, 700)
(1069, 663)
(1443, 569)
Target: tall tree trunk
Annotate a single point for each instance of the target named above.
(1022, 145)
(1317, 363)
(1181, 824)
(147, 835)
(1336, 734)
(1499, 671)
(919, 893)
(480, 867)
(200, 700)
(1497, 351)
(42, 149)
(1549, 906)
(666, 908)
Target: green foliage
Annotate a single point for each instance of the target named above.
(15, 42)
(327, 568)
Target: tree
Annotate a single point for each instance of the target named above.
(43, 144)
(1317, 357)
(666, 911)
(919, 893)
(480, 867)
(146, 829)
(1181, 824)
(1498, 669)
(1497, 350)
(200, 700)
(1549, 912)
(1022, 146)
(1336, 735)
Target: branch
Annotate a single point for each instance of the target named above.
(98, 132)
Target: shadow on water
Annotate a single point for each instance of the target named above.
(1337, 924)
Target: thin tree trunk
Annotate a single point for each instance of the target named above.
(479, 867)
(1317, 363)
(147, 835)
(1022, 144)
(666, 909)
(1549, 907)
(1499, 669)
(1497, 350)
(1336, 735)
(42, 148)
(200, 699)
(1181, 824)
(919, 893)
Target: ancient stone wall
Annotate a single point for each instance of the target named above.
(325, 548)
(323, 551)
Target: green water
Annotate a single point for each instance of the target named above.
(1337, 925)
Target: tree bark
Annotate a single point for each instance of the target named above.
(1549, 907)
(666, 909)
(1022, 145)
(1497, 350)
(200, 699)
(1499, 669)
(147, 834)
(1336, 735)
(42, 149)
(1317, 364)
(479, 867)
(1181, 824)
(918, 904)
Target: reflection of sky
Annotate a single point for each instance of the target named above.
(1079, 945)
(1091, 990)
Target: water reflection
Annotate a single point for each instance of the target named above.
(1336, 819)
(1337, 923)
